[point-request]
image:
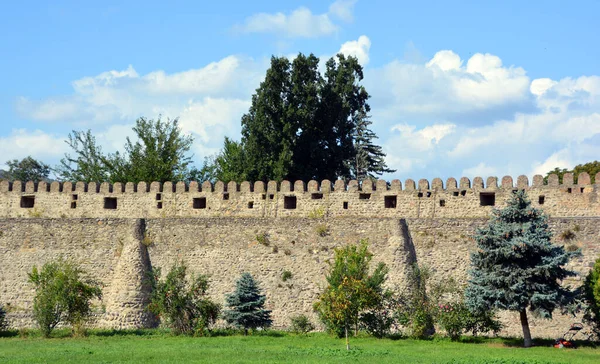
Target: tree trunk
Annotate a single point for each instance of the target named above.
(525, 326)
(347, 340)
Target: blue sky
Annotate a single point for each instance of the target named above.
(458, 88)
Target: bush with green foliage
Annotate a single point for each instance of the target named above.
(351, 289)
(3, 322)
(301, 324)
(246, 306)
(286, 275)
(517, 267)
(592, 297)
(63, 295)
(416, 306)
(379, 320)
(182, 302)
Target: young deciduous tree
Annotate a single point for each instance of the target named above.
(182, 301)
(160, 153)
(246, 305)
(516, 266)
(62, 295)
(3, 323)
(27, 169)
(351, 289)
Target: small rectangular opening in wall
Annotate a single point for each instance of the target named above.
(199, 203)
(345, 205)
(390, 202)
(487, 199)
(158, 196)
(316, 196)
(569, 190)
(428, 194)
(264, 196)
(74, 197)
(364, 196)
(582, 189)
(159, 205)
(515, 190)
(110, 203)
(541, 199)
(463, 192)
(271, 196)
(27, 202)
(289, 202)
(420, 194)
(455, 193)
(251, 204)
(226, 196)
(442, 203)
(73, 205)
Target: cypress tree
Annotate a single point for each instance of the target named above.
(247, 305)
(516, 267)
(370, 158)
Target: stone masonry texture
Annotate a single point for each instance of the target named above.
(119, 232)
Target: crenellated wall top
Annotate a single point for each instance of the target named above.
(326, 186)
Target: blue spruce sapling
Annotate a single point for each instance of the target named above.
(516, 267)
(246, 305)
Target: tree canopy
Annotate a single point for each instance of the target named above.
(305, 125)
(27, 169)
(516, 266)
(592, 168)
(160, 153)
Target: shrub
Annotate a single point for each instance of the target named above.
(246, 305)
(322, 230)
(182, 302)
(317, 213)
(301, 324)
(62, 295)
(416, 308)
(286, 275)
(263, 239)
(3, 322)
(452, 318)
(592, 297)
(379, 320)
(567, 235)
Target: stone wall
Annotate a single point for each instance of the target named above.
(119, 252)
(460, 199)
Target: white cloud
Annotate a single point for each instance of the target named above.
(358, 48)
(343, 9)
(21, 143)
(300, 23)
(434, 117)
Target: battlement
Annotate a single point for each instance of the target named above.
(455, 198)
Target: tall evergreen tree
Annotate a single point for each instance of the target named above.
(369, 159)
(516, 267)
(302, 124)
(246, 305)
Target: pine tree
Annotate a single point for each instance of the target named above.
(516, 267)
(370, 158)
(247, 305)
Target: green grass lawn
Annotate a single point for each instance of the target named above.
(159, 347)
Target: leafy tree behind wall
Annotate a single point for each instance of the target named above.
(27, 169)
(516, 267)
(592, 297)
(160, 153)
(303, 125)
(592, 168)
